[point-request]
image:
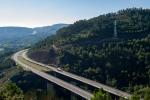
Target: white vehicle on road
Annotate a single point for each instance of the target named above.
(59, 69)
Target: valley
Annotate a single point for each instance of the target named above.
(102, 58)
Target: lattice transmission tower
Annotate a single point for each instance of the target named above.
(115, 29)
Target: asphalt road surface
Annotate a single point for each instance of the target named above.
(33, 67)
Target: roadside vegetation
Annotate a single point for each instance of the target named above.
(101, 95)
(143, 94)
(5, 60)
(10, 91)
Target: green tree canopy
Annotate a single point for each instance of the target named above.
(11, 92)
(100, 95)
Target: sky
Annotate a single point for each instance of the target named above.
(36, 13)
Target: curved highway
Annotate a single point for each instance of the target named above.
(79, 78)
(18, 58)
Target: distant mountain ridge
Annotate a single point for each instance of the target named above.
(50, 28)
(23, 36)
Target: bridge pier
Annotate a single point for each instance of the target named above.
(73, 96)
(50, 92)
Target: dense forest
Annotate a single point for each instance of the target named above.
(8, 90)
(90, 49)
(5, 60)
(11, 92)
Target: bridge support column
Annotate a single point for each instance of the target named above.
(73, 96)
(50, 91)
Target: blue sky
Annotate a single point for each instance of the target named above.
(32, 13)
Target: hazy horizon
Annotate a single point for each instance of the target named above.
(37, 13)
(34, 26)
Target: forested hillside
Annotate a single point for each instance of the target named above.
(89, 48)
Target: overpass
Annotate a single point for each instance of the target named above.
(76, 77)
(17, 57)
